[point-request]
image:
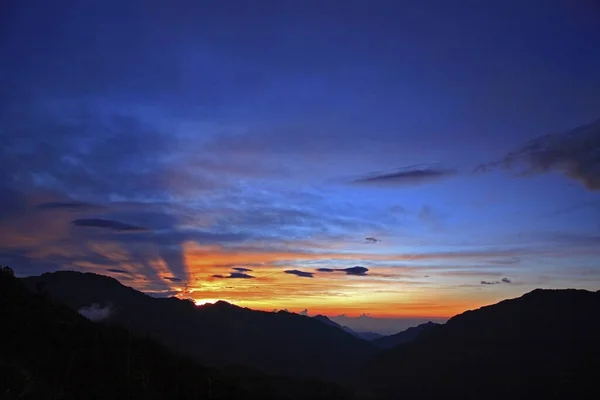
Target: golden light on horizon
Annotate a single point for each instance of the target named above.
(201, 302)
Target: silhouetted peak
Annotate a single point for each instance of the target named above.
(326, 320)
(555, 292)
(219, 305)
(71, 275)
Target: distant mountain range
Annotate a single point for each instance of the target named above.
(219, 334)
(544, 344)
(361, 335)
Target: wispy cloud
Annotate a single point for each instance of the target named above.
(503, 280)
(117, 271)
(69, 206)
(172, 278)
(108, 224)
(410, 175)
(575, 153)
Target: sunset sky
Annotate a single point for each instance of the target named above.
(396, 158)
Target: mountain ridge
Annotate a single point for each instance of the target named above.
(216, 334)
(542, 344)
(54, 352)
(407, 335)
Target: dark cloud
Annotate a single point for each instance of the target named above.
(361, 271)
(372, 240)
(411, 175)
(108, 224)
(575, 153)
(234, 275)
(240, 275)
(503, 280)
(172, 279)
(325, 270)
(242, 269)
(355, 270)
(74, 206)
(302, 274)
(118, 271)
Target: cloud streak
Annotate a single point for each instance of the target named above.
(357, 271)
(69, 206)
(411, 175)
(108, 224)
(575, 153)
(233, 275)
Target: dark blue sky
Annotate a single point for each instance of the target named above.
(165, 143)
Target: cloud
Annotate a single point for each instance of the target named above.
(70, 206)
(95, 312)
(361, 271)
(355, 270)
(302, 274)
(233, 275)
(304, 312)
(372, 240)
(325, 270)
(503, 280)
(172, 279)
(108, 224)
(242, 269)
(575, 153)
(117, 271)
(240, 275)
(411, 175)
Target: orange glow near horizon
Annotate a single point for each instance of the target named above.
(388, 292)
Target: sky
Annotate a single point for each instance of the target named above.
(359, 159)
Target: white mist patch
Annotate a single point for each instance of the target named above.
(95, 312)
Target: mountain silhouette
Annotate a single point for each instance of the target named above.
(49, 351)
(410, 334)
(360, 335)
(545, 344)
(219, 334)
